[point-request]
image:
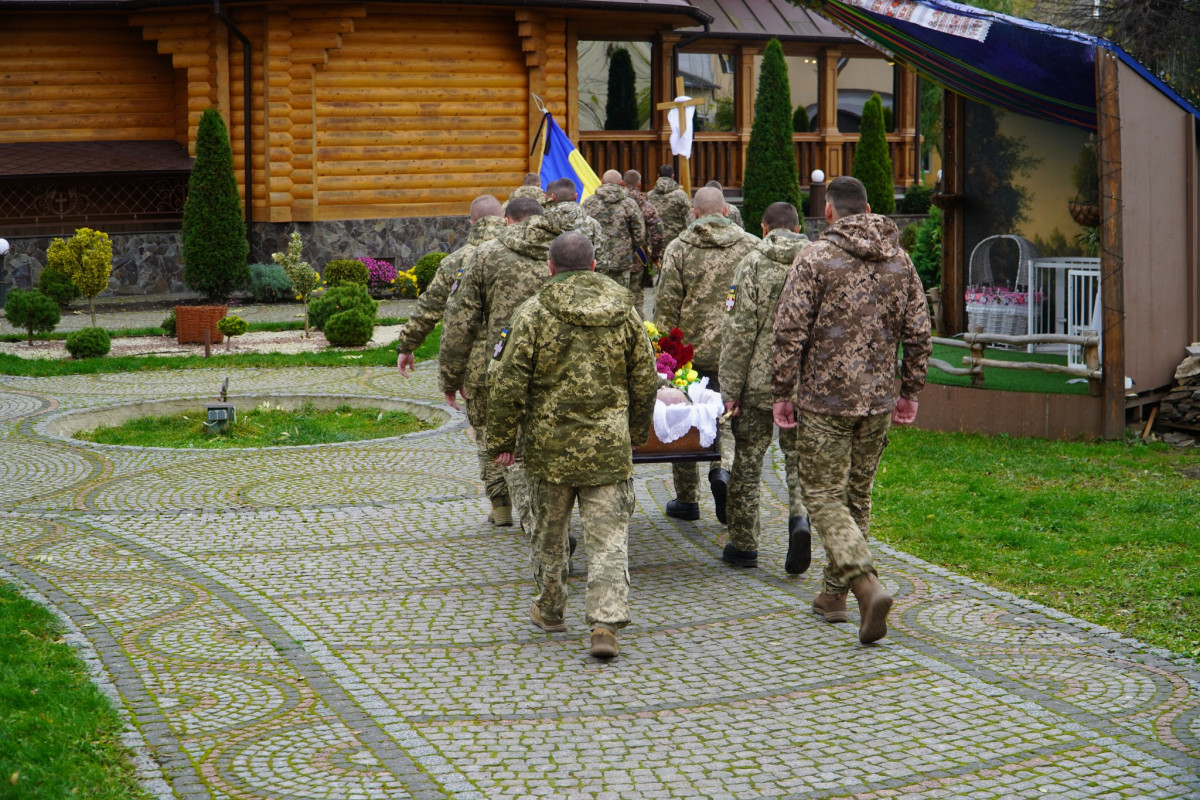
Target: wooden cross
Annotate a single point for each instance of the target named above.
(686, 174)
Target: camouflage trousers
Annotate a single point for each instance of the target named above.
(517, 481)
(636, 275)
(838, 460)
(489, 471)
(752, 429)
(686, 477)
(604, 513)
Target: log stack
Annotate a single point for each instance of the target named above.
(1179, 411)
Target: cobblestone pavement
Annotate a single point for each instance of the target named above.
(342, 622)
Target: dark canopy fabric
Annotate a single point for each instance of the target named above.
(1032, 69)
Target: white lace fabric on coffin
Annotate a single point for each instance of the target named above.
(673, 422)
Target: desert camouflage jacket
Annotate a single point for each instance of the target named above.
(432, 302)
(849, 301)
(654, 227)
(749, 311)
(694, 281)
(499, 276)
(622, 223)
(577, 374)
(533, 192)
(674, 207)
(567, 215)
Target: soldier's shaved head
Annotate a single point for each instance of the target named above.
(532, 179)
(781, 215)
(715, 185)
(562, 190)
(571, 252)
(612, 176)
(708, 202)
(522, 208)
(847, 196)
(485, 206)
(633, 179)
(666, 171)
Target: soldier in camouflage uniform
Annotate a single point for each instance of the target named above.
(693, 290)
(731, 212)
(499, 276)
(652, 252)
(486, 224)
(577, 375)
(564, 214)
(673, 204)
(746, 389)
(531, 187)
(850, 300)
(622, 223)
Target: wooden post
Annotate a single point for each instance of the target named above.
(827, 104)
(685, 177)
(1091, 358)
(1112, 257)
(954, 111)
(977, 378)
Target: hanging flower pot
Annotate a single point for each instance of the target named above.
(1085, 214)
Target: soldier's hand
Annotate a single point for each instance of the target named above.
(405, 363)
(905, 412)
(505, 459)
(732, 408)
(450, 401)
(784, 413)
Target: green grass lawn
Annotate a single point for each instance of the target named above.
(1013, 380)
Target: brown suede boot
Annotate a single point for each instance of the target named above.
(830, 606)
(501, 513)
(873, 607)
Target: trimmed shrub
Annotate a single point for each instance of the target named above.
(927, 250)
(352, 328)
(214, 234)
(232, 325)
(800, 121)
(300, 274)
(916, 200)
(620, 110)
(87, 258)
(425, 268)
(345, 270)
(31, 310)
(872, 161)
(341, 298)
(88, 343)
(168, 323)
(58, 286)
(770, 158)
(270, 284)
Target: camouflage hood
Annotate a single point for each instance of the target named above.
(709, 232)
(586, 299)
(781, 246)
(871, 237)
(666, 185)
(485, 228)
(566, 215)
(530, 238)
(610, 193)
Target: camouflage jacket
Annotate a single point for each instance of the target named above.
(577, 375)
(432, 302)
(499, 276)
(849, 301)
(533, 192)
(674, 207)
(567, 215)
(734, 215)
(750, 309)
(622, 223)
(654, 228)
(693, 284)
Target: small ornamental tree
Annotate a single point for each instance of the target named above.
(32, 310)
(872, 161)
(303, 277)
(620, 111)
(86, 258)
(232, 326)
(770, 157)
(214, 235)
(800, 121)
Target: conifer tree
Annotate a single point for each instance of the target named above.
(620, 111)
(770, 157)
(214, 235)
(872, 161)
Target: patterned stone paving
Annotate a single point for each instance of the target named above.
(341, 622)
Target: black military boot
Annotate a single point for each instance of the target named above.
(799, 554)
(682, 510)
(718, 479)
(740, 558)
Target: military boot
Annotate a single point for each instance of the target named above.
(799, 552)
(604, 643)
(832, 607)
(718, 481)
(548, 625)
(873, 606)
(501, 513)
(740, 558)
(682, 510)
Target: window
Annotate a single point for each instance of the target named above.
(710, 77)
(601, 66)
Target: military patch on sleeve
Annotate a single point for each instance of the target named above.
(457, 278)
(731, 299)
(499, 348)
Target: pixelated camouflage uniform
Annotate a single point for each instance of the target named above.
(624, 229)
(746, 378)
(674, 208)
(733, 215)
(652, 251)
(850, 300)
(693, 287)
(567, 215)
(498, 277)
(532, 192)
(577, 376)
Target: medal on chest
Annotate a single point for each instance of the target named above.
(731, 299)
(457, 278)
(499, 348)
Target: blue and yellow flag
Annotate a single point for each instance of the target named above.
(562, 160)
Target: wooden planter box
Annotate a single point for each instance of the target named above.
(192, 321)
(685, 448)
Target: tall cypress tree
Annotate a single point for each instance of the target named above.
(770, 157)
(214, 235)
(872, 161)
(620, 112)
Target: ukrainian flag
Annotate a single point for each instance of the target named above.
(562, 160)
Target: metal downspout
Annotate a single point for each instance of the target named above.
(247, 114)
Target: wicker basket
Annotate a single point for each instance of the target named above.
(192, 321)
(685, 448)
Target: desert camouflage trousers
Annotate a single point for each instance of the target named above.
(838, 460)
(752, 429)
(686, 477)
(489, 471)
(604, 513)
